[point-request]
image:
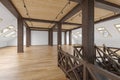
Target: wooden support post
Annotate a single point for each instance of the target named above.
(70, 37)
(20, 41)
(50, 37)
(59, 37)
(28, 37)
(88, 31)
(65, 36)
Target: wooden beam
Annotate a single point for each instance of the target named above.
(70, 37)
(77, 1)
(68, 23)
(65, 37)
(39, 20)
(76, 28)
(108, 18)
(59, 36)
(102, 20)
(49, 21)
(28, 37)
(107, 5)
(99, 3)
(9, 5)
(76, 9)
(38, 28)
(88, 31)
(20, 46)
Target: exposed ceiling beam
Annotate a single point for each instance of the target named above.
(68, 23)
(102, 20)
(9, 5)
(38, 28)
(76, 28)
(107, 5)
(108, 18)
(49, 21)
(98, 3)
(76, 9)
(39, 20)
(78, 1)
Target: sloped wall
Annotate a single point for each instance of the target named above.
(113, 41)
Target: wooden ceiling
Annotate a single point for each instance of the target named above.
(49, 10)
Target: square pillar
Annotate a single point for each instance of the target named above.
(59, 36)
(70, 37)
(65, 36)
(28, 37)
(20, 40)
(88, 31)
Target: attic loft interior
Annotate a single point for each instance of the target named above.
(64, 39)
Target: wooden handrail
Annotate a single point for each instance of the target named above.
(78, 69)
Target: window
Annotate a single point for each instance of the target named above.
(117, 27)
(77, 34)
(10, 34)
(11, 27)
(5, 30)
(9, 31)
(103, 31)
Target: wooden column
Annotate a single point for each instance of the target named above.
(70, 37)
(20, 41)
(50, 37)
(65, 36)
(28, 37)
(59, 37)
(88, 30)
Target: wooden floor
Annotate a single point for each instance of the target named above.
(36, 63)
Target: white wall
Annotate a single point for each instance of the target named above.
(39, 38)
(3, 44)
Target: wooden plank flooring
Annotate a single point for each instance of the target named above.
(36, 63)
